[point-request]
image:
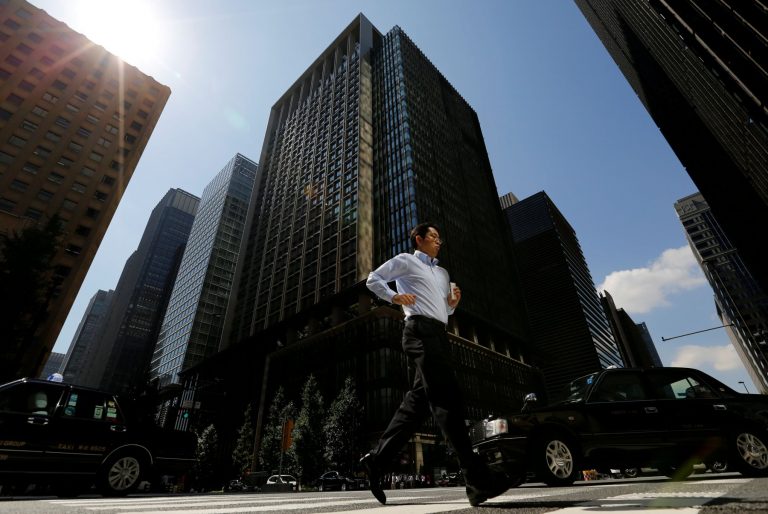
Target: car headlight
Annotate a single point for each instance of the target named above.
(495, 427)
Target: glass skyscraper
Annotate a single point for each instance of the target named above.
(701, 71)
(741, 303)
(121, 360)
(191, 329)
(568, 324)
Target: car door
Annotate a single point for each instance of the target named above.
(87, 427)
(624, 423)
(26, 409)
(695, 412)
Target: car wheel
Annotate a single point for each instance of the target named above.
(631, 472)
(556, 461)
(680, 472)
(718, 466)
(120, 475)
(750, 453)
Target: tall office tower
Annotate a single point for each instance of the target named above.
(701, 70)
(52, 365)
(567, 321)
(633, 339)
(121, 361)
(87, 337)
(74, 121)
(370, 140)
(193, 321)
(739, 299)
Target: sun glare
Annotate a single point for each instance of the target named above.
(126, 28)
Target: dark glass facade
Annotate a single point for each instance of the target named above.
(191, 328)
(568, 324)
(370, 140)
(122, 360)
(701, 71)
(633, 339)
(740, 301)
(87, 337)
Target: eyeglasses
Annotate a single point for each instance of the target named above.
(435, 238)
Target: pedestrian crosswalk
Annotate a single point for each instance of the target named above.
(681, 498)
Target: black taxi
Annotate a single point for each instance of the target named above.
(72, 437)
(665, 418)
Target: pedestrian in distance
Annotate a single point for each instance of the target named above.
(428, 297)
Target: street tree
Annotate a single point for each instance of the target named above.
(271, 449)
(308, 437)
(28, 281)
(242, 455)
(342, 429)
(206, 458)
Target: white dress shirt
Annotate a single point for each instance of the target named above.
(416, 274)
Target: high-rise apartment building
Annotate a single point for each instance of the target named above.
(740, 302)
(74, 121)
(87, 337)
(633, 339)
(701, 70)
(567, 321)
(121, 361)
(369, 141)
(194, 319)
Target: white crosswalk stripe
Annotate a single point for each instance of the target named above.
(683, 500)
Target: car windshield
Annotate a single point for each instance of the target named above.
(576, 390)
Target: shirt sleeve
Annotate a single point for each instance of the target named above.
(450, 309)
(390, 271)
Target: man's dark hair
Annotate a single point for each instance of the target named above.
(421, 230)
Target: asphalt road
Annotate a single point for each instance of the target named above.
(725, 493)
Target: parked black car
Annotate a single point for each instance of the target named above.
(332, 480)
(71, 437)
(664, 418)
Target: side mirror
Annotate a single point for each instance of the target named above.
(529, 401)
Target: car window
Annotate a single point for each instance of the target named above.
(91, 405)
(576, 390)
(30, 398)
(619, 387)
(678, 385)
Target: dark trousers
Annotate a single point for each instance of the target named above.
(434, 389)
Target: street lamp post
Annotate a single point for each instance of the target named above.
(745, 386)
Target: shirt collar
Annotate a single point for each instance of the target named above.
(426, 259)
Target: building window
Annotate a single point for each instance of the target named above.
(63, 122)
(25, 49)
(92, 213)
(50, 98)
(56, 49)
(5, 115)
(107, 180)
(84, 132)
(63, 161)
(6, 158)
(19, 185)
(46, 60)
(17, 141)
(13, 60)
(4, 74)
(82, 230)
(24, 14)
(34, 37)
(38, 74)
(28, 126)
(7, 205)
(93, 119)
(73, 108)
(104, 142)
(30, 168)
(61, 86)
(88, 172)
(15, 99)
(79, 95)
(75, 147)
(80, 188)
(135, 125)
(70, 74)
(112, 129)
(102, 197)
(56, 177)
(26, 86)
(130, 138)
(96, 156)
(100, 106)
(143, 114)
(68, 205)
(33, 214)
(44, 195)
(39, 111)
(73, 249)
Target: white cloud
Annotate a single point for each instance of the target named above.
(641, 290)
(721, 358)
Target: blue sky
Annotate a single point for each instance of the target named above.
(556, 113)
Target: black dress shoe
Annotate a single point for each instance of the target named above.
(493, 486)
(374, 476)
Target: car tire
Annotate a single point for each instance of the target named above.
(120, 474)
(750, 452)
(556, 460)
(631, 472)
